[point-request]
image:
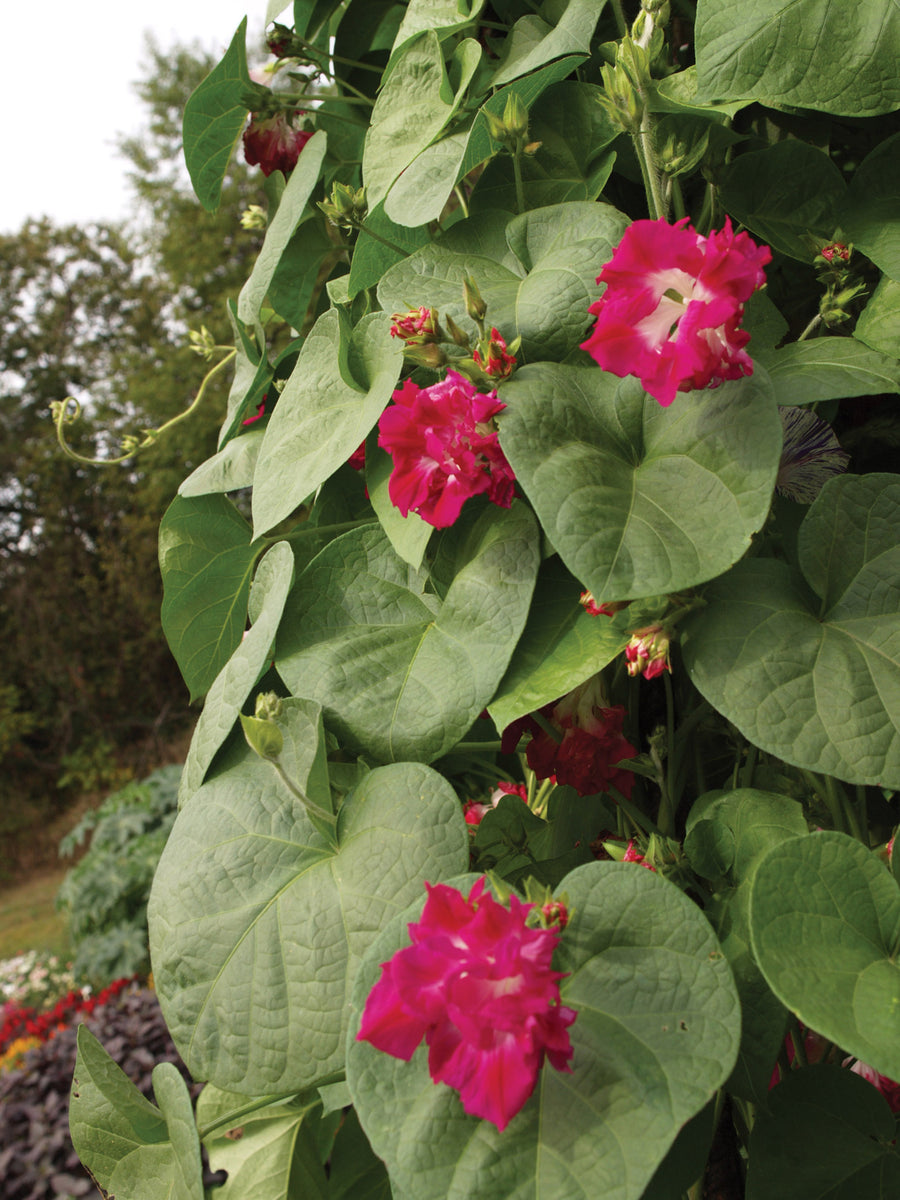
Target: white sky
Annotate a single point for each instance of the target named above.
(66, 94)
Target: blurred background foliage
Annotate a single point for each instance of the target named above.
(102, 312)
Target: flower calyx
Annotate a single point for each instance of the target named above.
(346, 208)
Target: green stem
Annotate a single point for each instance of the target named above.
(331, 531)
(462, 200)
(749, 766)
(364, 228)
(834, 807)
(473, 748)
(547, 727)
(324, 821)
(233, 1118)
(862, 810)
(635, 815)
(150, 435)
(813, 325)
(800, 1055)
(520, 187)
(619, 14)
(668, 800)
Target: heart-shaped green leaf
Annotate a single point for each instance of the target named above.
(829, 368)
(399, 672)
(206, 559)
(257, 924)
(787, 195)
(879, 322)
(807, 665)
(763, 51)
(825, 927)
(131, 1147)
(561, 645)
(871, 219)
(213, 118)
(247, 664)
(321, 418)
(636, 498)
(537, 277)
(824, 1133)
(269, 1154)
(657, 1031)
(287, 217)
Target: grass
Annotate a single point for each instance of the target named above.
(28, 916)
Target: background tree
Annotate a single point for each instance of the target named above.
(102, 313)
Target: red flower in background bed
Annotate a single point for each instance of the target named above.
(445, 449)
(478, 986)
(673, 304)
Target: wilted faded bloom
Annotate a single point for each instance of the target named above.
(673, 304)
(811, 454)
(445, 449)
(478, 985)
(274, 144)
(590, 743)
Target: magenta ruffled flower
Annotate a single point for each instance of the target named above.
(673, 304)
(477, 984)
(445, 449)
(274, 144)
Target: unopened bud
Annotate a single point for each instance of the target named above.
(254, 217)
(203, 343)
(262, 734)
(425, 355)
(475, 306)
(460, 338)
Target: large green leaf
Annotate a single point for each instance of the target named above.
(408, 535)
(729, 838)
(656, 1033)
(206, 559)
(257, 923)
(415, 104)
(829, 368)
(787, 194)
(879, 323)
(246, 665)
(822, 54)
(560, 646)
(871, 218)
(131, 1147)
(213, 119)
(636, 498)
(400, 673)
(321, 417)
(228, 470)
(825, 1134)
(825, 926)
(269, 1154)
(572, 162)
(293, 285)
(806, 662)
(443, 16)
(537, 279)
(372, 257)
(282, 226)
(534, 42)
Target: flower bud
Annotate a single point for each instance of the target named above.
(593, 609)
(475, 306)
(254, 217)
(647, 653)
(263, 737)
(418, 326)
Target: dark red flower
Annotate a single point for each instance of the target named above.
(273, 144)
(590, 743)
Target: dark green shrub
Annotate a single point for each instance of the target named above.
(106, 893)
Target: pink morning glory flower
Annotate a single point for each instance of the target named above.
(477, 984)
(673, 304)
(445, 449)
